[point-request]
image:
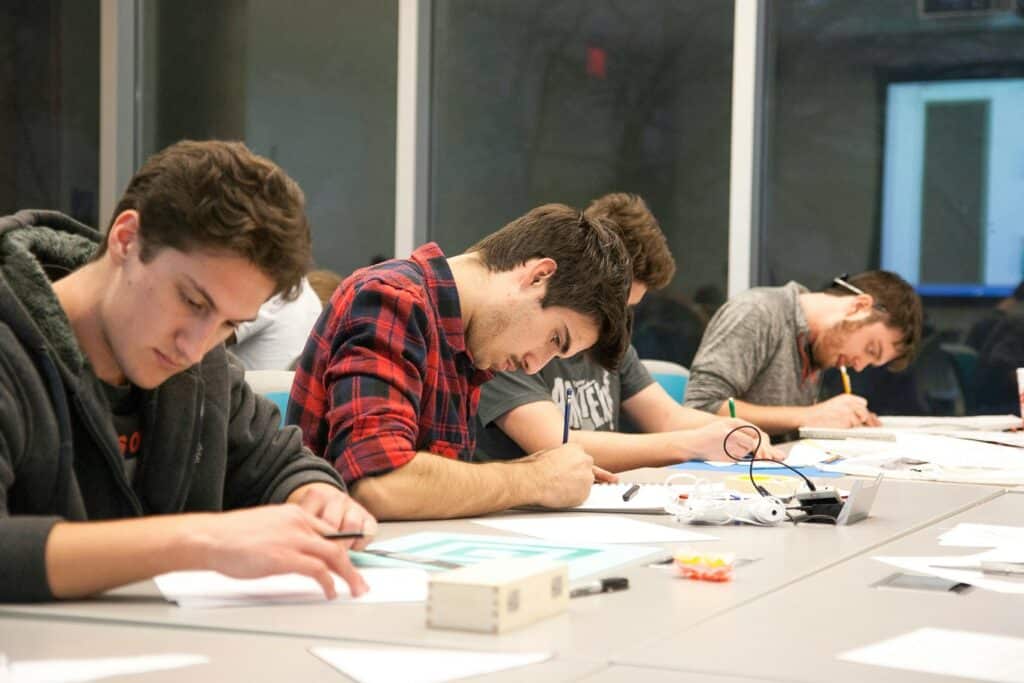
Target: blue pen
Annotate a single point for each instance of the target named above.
(565, 422)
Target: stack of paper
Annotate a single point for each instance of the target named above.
(205, 589)
(935, 458)
(977, 427)
(952, 424)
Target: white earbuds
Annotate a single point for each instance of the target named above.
(707, 505)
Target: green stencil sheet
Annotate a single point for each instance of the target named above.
(466, 549)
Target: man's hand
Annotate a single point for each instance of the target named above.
(338, 509)
(560, 477)
(844, 410)
(274, 539)
(709, 442)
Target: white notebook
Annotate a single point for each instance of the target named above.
(649, 499)
(961, 427)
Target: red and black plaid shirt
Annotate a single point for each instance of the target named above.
(386, 373)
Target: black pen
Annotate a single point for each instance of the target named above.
(609, 585)
(341, 535)
(565, 419)
(630, 492)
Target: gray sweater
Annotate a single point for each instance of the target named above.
(751, 351)
(210, 443)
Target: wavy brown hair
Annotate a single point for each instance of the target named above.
(896, 304)
(220, 197)
(639, 230)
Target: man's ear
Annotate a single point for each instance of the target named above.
(123, 235)
(537, 272)
(861, 303)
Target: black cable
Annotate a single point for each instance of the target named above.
(751, 459)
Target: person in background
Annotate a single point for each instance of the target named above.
(666, 326)
(323, 282)
(388, 385)
(766, 347)
(999, 340)
(125, 426)
(274, 340)
(522, 413)
(979, 333)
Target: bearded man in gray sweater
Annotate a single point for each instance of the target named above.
(766, 348)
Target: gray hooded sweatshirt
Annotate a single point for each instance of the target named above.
(209, 443)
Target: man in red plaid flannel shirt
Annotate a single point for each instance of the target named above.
(388, 384)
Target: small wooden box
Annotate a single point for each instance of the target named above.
(497, 595)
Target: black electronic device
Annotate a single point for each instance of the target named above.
(820, 506)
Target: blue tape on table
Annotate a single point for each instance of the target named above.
(743, 469)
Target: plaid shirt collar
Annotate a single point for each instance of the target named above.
(443, 293)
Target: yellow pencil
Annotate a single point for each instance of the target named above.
(846, 379)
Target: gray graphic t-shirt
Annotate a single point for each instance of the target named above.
(597, 397)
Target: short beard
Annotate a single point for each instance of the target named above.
(828, 343)
(484, 329)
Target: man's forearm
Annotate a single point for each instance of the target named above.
(687, 418)
(85, 558)
(619, 452)
(434, 487)
(773, 420)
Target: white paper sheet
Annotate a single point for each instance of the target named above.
(649, 498)
(593, 529)
(1015, 439)
(970, 535)
(940, 566)
(420, 665)
(937, 458)
(206, 589)
(80, 670)
(993, 423)
(945, 652)
(948, 451)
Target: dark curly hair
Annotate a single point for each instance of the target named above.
(593, 274)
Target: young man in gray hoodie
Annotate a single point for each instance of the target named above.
(125, 427)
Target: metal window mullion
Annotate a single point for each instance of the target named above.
(412, 126)
(117, 102)
(745, 151)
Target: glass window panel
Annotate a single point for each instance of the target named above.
(893, 139)
(310, 84)
(539, 101)
(49, 107)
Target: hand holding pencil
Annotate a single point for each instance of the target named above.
(844, 410)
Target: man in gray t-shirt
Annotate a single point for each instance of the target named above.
(597, 398)
(766, 347)
(521, 413)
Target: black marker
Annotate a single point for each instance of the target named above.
(630, 492)
(609, 585)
